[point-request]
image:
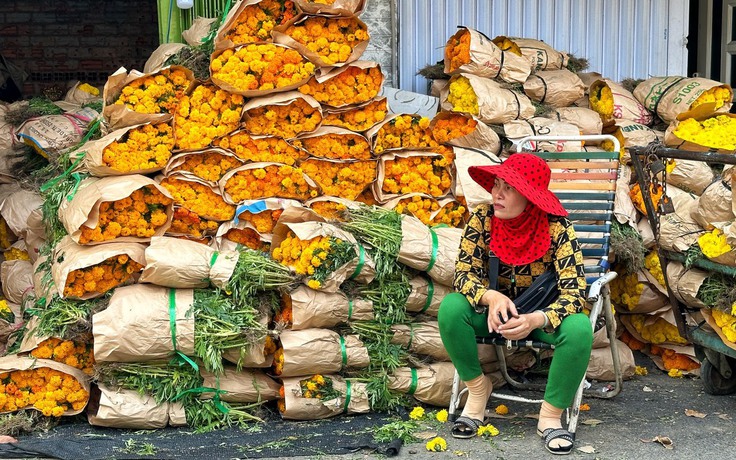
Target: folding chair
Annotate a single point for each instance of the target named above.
(585, 183)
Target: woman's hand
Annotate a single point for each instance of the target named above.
(522, 325)
(500, 309)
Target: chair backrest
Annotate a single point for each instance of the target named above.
(585, 183)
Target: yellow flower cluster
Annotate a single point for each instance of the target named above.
(607, 145)
(367, 197)
(207, 113)
(318, 387)
(261, 67)
(417, 413)
(101, 277)
(304, 256)
(673, 361)
(501, 409)
(267, 149)
(454, 214)
(332, 38)
(246, 237)
(404, 132)
(417, 174)
(359, 118)
(5, 234)
(145, 147)
(345, 180)
(489, 430)
(285, 121)
(89, 89)
(349, 146)
(436, 444)
(504, 44)
(660, 331)
(726, 322)
(263, 221)
(281, 181)
(626, 290)
(5, 312)
(255, 22)
(47, 390)
(210, 166)
(199, 198)
(462, 96)
(328, 209)
(716, 132)
(457, 50)
(718, 95)
(452, 127)
(601, 100)
(186, 222)
(651, 263)
(352, 86)
(157, 93)
(713, 244)
(138, 215)
(16, 254)
(278, 369)
(69, 352)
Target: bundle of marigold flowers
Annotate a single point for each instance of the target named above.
(205, 114)
(403, 132)
(655, 192)
(246, 237)
(727, 323)
(198, 198)
(462, 97)
(138, 215)
(675, 97)
(286, 120)
(147, 147)
(14, 253)
(335, 144)
(626, 290)
(416, 174)
(210, 165)
(612, 100)
(255, 68)
(257, 149)
(359, 118)
(47, 390)
(186, 222)
(317, 257)
(157, 93)
(100, 278)
(70, 352)
(656, 330)
(328, 40)
(717, 132)
(651, 263)
(457, 51)
(255, 21)
(273, 180)
(431, 211)
(328, 208)
(341, 179)
(262, 221)
(452, 126)
(673, 360)
(714, 243)
(356, 83)
(319, 387)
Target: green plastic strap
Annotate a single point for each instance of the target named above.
(414, 381)
(361, 262)
(214, 258)
(200, 390)
(172, 325)
(63, 175)
(348, 391)
(435, 244)
(344, 351)
(350, 309)
(430, 295)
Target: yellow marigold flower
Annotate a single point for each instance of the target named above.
(437, 445)
(441, 416)
(285, 121)
(255, 22)
(675, 373)
(462, 96)
(640, 370)
(488, 431)
(160, 94)
(314, 284)
(359, 118)
(501, 409)
(417, 413)
(585, 407)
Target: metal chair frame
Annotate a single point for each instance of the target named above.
(587, 190)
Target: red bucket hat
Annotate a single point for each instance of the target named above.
(528, 174)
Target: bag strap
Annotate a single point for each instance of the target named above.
(493, 267)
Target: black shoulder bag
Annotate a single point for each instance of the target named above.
(542, 292)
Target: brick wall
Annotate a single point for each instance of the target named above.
(64, 40)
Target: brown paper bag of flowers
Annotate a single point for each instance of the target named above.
(540, 126)
(137, 324)
(154, 108)
(254, 149)
(612, 100)
(471, 52)
(423, 338)
(321, 351)
(600, 365)
(464, 130)
(676, 98)
(72, 383)
(208, 165)
(341, 178)
(16, 280)
(15, 209)
(714, 206)
(330, 207)
(465, 186)
(316, 309)
(271, 115)
(81, 215)
(231, 236)
(629, 134)
(351, 36)
(238, 28)
(685, 283)
(197, 195)
(588, 121)
(678, 231)
(259, 355)
(431, 211)
(111, 155)
(541, 55)
(485, 99)
(556, 88)
(244, 386)
(346, 396)
(159, 56)
(359, 118)
(350, 85)
(255, 218)
(430, 249)
(405, 172)
(638, 293)
(180, 264)
(331, 142)
(689, 175)
(334, 8)
(401, 131)
(119, 408)
(657, 327)
(50, 135)
(426, 295)
(431, 384)
(708, 316)
(72, 263)
(702, 134)
(258, 180)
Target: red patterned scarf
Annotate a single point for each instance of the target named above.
(523, 239)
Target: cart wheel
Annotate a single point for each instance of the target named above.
(713, 382)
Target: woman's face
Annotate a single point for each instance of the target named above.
(507, 202)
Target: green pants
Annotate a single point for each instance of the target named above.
(573, 339)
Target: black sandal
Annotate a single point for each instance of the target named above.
(551, 434)
(465, 427)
